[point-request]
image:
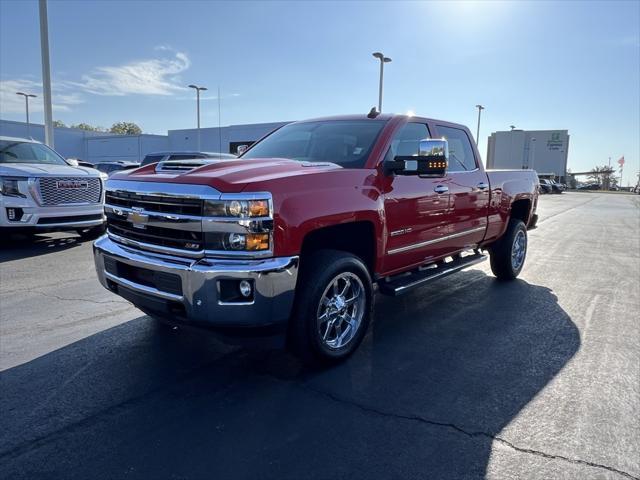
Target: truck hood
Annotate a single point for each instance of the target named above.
(40, 170)
(232, 176)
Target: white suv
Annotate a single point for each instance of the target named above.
(39, 191)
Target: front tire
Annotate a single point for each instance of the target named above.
(508, 254)
(333, 307)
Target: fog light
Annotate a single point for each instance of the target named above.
(245, 288)
(11, 213)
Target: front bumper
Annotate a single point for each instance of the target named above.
(198, 302)
(60, 217)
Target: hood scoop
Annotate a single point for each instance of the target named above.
(179, 166)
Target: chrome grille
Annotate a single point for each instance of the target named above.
(70, 190)
(154, 203)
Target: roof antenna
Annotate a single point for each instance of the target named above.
(373, 113)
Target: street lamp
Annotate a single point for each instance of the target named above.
(26, 103)
(383, 60)
(198, 90)
(480, 108)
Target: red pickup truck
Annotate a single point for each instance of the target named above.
(291, 238)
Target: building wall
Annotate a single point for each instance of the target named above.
(187, 139)
(545, 151)
(130, 148)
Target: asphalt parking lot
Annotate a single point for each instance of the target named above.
(464, 378)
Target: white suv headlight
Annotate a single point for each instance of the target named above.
(10, 186)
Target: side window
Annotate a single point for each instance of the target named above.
(460, 151)
(406, 141)
(184, 157)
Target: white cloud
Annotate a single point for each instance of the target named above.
(158, 76)
(12, 103)
(155, 76)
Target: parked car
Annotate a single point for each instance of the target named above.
(40, 191)
(589, 186)
(551, 186)
(290, 238)
(184, 155)
(112, 167)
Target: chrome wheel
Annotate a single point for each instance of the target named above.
(518, 250)
(341, 310)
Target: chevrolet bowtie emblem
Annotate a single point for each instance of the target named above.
(138, 217)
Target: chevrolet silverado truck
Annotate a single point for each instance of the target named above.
(41, 192)
(294, 237)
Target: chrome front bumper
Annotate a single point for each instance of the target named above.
(274, 281)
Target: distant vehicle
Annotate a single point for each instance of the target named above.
(550, 186)
(112, 167)
(184, 155)
(589, 186)
(40, 191)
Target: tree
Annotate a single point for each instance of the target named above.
(86, 126)
(125, 128)
(602, 175)
(58, 124)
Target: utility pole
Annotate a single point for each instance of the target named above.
(46, 75)
(383, 60)
(219, 124)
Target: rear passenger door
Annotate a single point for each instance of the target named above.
(468, 189)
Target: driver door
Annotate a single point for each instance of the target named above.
(416, 208)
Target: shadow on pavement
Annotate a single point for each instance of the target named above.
(441, 370)
(18, 246)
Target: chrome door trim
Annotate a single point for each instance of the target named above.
(435, 240)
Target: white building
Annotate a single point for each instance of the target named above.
(544, 151)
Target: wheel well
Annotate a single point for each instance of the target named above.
(357, 238)
(520, 209)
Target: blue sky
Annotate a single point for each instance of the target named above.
(536, 65)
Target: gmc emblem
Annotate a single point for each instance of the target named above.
(72, 184)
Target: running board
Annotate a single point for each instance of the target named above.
(405, 282)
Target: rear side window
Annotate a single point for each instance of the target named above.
(461, 156)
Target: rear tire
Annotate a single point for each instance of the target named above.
(509, 253)
(333, 307)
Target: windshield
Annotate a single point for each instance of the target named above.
(12, 151)
(344, 142)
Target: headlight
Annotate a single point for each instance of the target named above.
(10, 186)
(237, 208)
(239, 223)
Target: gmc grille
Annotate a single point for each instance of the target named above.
(69, 190)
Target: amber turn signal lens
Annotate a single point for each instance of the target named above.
(257, 241)
(258, 208)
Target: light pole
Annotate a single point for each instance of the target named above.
(480, 108)
(198, 90)
(26, 104)
(383, 60)
(46, 74)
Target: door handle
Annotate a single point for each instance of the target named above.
(483, 186)
(441, 189)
